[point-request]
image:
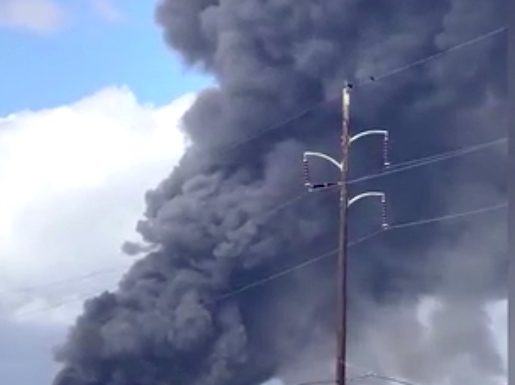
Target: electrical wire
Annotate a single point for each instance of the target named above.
(369, 374)
(118, 269)
(273, 127)
(231, 146)
(57, 305)
(445, 155)
(416, 163)
(399, 167)
(321, 257)
(390, 379)
(85, 277)
(434, 56)
(280, 274)
(449, 217)
(394, 168)
(328, 254)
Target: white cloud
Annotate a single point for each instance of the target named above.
(72, 184)
(73, 181)
(42, 16)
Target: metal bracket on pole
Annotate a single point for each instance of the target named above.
(384, 134)
(327, 185)
(307, 178)
(375, 194)
(322, 156)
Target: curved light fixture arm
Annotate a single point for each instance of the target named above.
(376, 194)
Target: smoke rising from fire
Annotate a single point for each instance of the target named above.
(272, 59)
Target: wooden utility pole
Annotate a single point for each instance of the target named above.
(343, 166)
(342, 257)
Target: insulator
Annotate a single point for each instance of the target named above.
(386, 160)
(307, 178)
(384, 214)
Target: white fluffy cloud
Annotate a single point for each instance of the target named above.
(73, 180)
(40, 16)
(72, 184)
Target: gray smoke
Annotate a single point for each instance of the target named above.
(213, 227)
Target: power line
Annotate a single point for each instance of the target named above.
(398, 167)
(390, 379)
(395, 168)
(280, 274)
(415, 163)
(452, 153)
(117, 269)
(368, 374)
(434, 56)
(321, 257)
(449, 217)
(275, 126)
(57, 305)
(85, 277)
(392, 72)
(380, 377)
(361, 240)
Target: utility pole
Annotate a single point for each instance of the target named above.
(342, 254)
(345, 142)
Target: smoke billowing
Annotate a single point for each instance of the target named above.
(212, 225)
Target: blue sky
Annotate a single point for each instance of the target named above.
(88, 52)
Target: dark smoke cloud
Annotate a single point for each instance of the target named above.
(209, 225)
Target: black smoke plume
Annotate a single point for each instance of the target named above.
(213, 225)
